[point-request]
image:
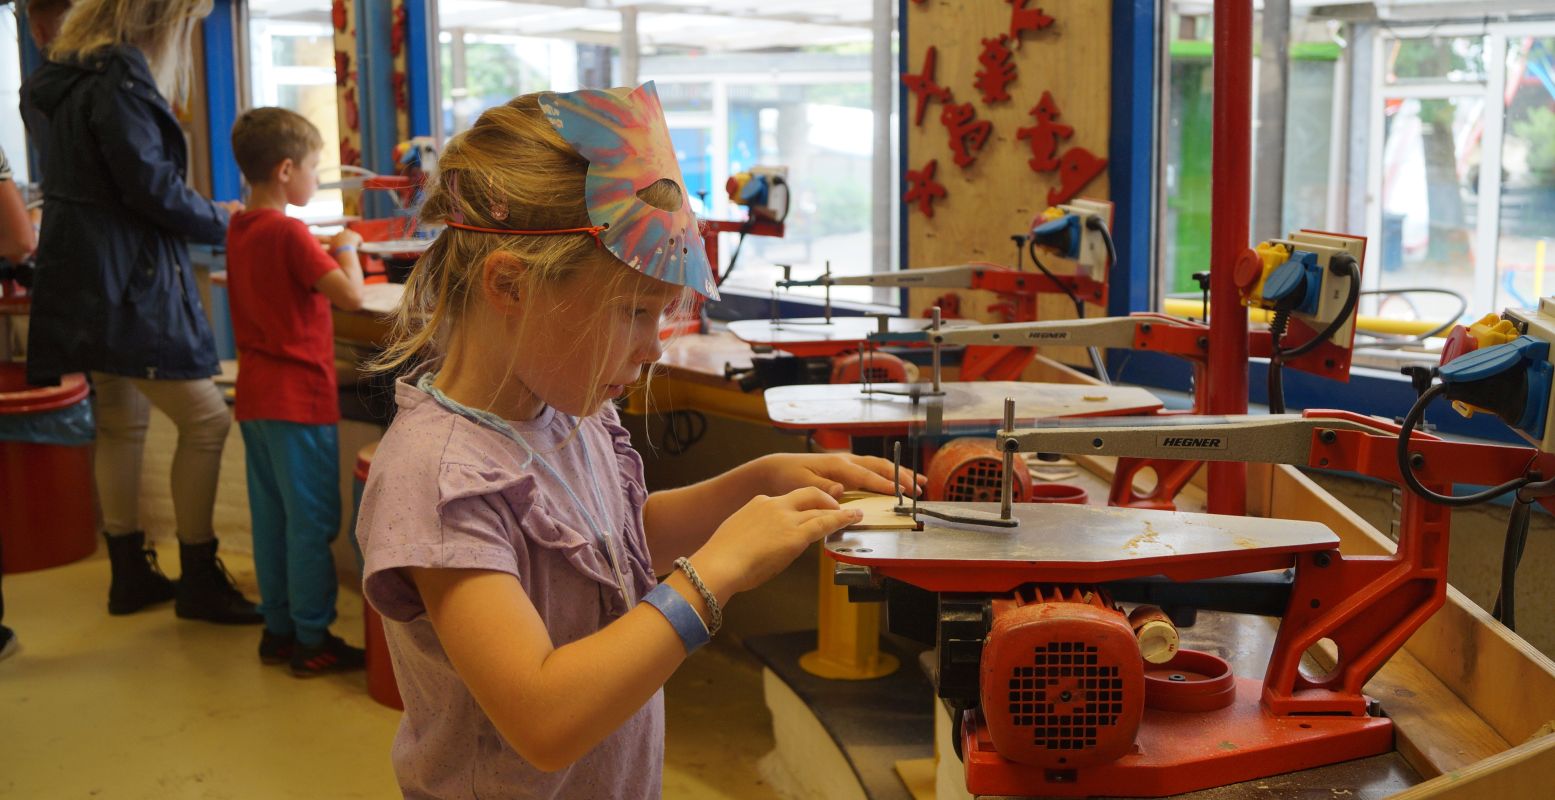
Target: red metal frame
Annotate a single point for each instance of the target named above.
(1190, 340)
(1367, 605)
(1018, 293)
(1230, 204)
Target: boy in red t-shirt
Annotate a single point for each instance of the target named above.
(281, 283)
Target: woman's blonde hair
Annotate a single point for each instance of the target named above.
(163, 30)
(510, 170)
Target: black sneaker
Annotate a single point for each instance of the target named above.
(334, 655)
(275, 648)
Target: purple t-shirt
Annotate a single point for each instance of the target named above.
(447, 492)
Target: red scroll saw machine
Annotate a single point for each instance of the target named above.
(1051, 689)
(831, 346)
(1310, 280)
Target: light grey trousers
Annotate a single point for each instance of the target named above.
(123, 413)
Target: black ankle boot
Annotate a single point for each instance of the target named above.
(205, 589)
(137, 580)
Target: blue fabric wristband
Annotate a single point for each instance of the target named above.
(682, 617)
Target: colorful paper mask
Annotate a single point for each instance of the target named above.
(626, 141)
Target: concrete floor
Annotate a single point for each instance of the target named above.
(150, 706)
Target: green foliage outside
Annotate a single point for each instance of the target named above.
(1538, 130)
(841, 204)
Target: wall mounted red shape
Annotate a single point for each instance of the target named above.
(968, 134)
(922, 189)
(1024, 19)
(1075, 167)
(923, 86)
(997, 72)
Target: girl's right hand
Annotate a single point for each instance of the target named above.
(766, 535)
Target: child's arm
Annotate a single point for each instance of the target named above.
(17, 240)
(555, 704)
(678, 521)
(343, 286)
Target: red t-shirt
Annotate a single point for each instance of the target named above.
(284, 332)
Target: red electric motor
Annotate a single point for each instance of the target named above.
(969, 470)
(1062, 680)
(878, 367)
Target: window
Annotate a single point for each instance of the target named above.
(1527, 197)
(13, 136)
(743, 85)
(291, 64)
(1434, 141)
(817, 124)
(1313, 136)
(1465, 170)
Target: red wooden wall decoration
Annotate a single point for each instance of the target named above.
(1078, 167)
(1075, 167)
(1045, 135)
(1021, 91)
(1023, 19)
(969, 129)
(923, 189)
(968, 134)
(997, 72)
(923, 86)
(343, 21)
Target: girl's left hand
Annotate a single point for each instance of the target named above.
(833, 473)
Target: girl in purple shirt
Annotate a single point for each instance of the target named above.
(510, 544)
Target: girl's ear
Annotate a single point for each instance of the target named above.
(500, 277)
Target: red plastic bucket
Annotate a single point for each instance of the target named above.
(380, 669)
(47, 519)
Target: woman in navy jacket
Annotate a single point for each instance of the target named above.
(115, 294)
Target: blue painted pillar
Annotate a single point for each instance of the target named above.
(420, 62)
(375, 97)
(1131, 151)
(221, 97)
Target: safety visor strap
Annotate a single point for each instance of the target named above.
(592, 230)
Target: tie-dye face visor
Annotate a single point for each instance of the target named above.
(623, 136)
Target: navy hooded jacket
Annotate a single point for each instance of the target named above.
(114, 290)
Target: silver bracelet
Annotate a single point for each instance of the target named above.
(684, 565)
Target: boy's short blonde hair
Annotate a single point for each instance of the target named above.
(264, 137)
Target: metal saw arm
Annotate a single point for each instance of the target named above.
(1252, 438)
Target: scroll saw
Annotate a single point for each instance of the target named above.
(838, 412)
(1050, 685)
(1077, 231)
(1313, 278)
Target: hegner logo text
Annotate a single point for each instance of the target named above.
(1197, 443)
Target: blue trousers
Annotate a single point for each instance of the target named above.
(294, 500)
